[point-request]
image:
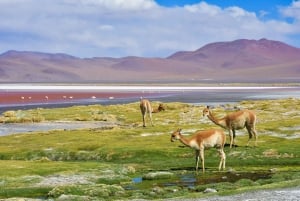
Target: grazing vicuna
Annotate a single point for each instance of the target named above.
(146, 107)
(235, 121)
(201, 140)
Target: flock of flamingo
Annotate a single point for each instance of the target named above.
(201, 140)
(47, 97)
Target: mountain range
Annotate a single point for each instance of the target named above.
(239, 60)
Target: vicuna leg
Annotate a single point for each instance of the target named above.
(144, 116)
(222, 159)
(202, 159)
(255, 136)
(197, 154)
(150, 116)
(251, 132)
(231, 137)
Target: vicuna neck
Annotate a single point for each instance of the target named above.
(219, 122)
(184, 141)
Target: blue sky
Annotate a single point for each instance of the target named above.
(264, 9)
(149, 28)
(246, 4)
(269, 7)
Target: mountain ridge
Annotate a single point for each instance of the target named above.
(238, 60)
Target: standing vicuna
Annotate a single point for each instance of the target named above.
(201, 140)
(235, 121)
(146, 107)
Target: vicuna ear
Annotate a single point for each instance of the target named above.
(207, 106)
(179, 130)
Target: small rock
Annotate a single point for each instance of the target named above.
(157, 190)
(157, 175)
(231, 170)
(224, 177)
(210, 190)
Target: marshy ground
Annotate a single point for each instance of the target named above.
(119, 159)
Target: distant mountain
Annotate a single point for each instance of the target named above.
(239, 60)
(241, 53)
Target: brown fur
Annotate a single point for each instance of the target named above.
(201, 140)
(160, 108)
(146, 107)
(235, 121)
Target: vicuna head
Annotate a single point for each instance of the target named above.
(206, 111)
(160, 108)
(176, 135)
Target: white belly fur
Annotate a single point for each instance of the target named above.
(194, 144)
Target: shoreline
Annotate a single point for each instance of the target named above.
(28, 96)
(15, 95)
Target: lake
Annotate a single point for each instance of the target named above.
(25, 95)
(15, 97)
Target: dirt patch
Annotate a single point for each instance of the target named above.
(151, 134)
(63, 180)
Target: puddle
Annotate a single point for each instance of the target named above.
(137, 180)
(191, 179)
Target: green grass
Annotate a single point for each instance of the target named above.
(108, 158)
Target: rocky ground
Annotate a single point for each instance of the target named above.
(286, 194)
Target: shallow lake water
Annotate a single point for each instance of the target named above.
(191, 179)
(50, 98)
(15, 128)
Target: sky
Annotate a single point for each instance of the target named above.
(147, 28)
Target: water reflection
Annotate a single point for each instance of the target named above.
(191, 179)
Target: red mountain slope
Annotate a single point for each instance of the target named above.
(240, 60)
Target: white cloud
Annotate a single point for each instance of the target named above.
(117, 4)
(106, 27)
(292, 11)
(239, 12)
(204, 8)
(88, 28)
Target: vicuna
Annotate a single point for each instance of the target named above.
(146, 107)
(235, 121)
(202, 140)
